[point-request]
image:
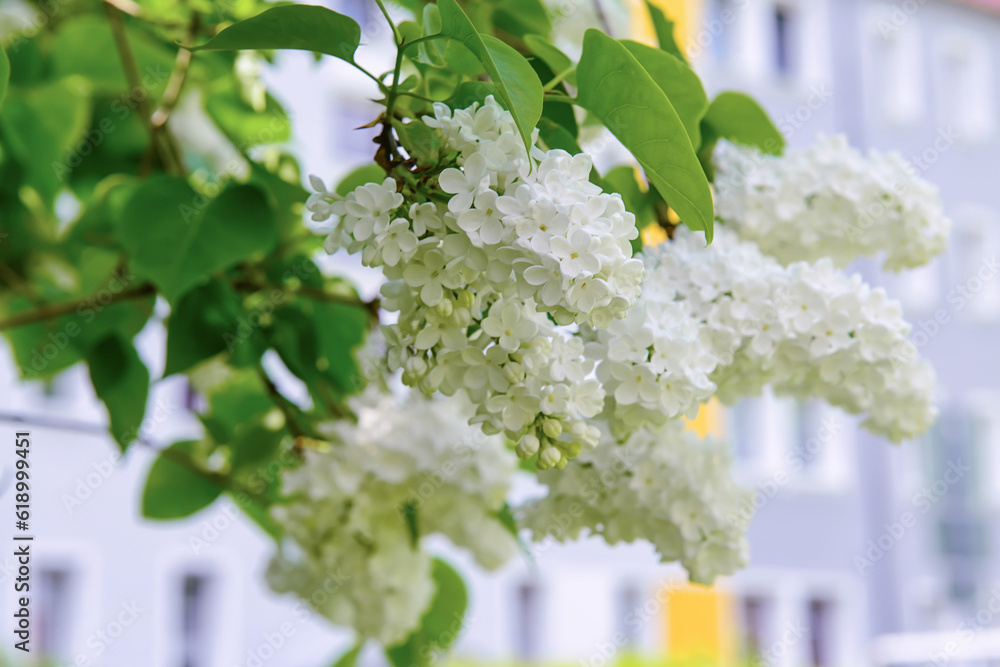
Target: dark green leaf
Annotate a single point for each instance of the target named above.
(516, 82)
(441, 623)
(205, 322)
(469, 92)
(619, 91)
(121, 381)
(4, 74)
(554, 135)
(43, 126)
(173, 491)
(520, 17)
(178, 237)
(664, 28)
(557, 61)
(299, 27)
(678, 81)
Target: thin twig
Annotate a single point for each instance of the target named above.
(54, 310)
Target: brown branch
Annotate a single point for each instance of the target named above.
(127, 58)
(54, 310)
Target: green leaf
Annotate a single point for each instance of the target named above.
(298, 27)
(554, 135)
(619, 91)
(42, 127)
(664, 29)
(519, 17)
(178, 238)
(678, 81)
(204, 323)
(85, 45)
(557, 61)
(172, 490)
(441, 623)
(242, 124)
(121, 381)
(739, 119)
(4, 74)
(350, 657)
(239, 399)
(370, 173)
(469, 92)
(516, 81)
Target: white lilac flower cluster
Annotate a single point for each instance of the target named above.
(664, 485)
(808, 330)
(490, 287)
(830, 201)
(402, 472)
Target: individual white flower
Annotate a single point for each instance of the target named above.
(397, 242)
(465, 183)
(507, 323)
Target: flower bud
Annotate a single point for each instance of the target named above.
(549, 457)
(528, 445)
(552, 428)
(415, 366)
(465, 298)
(444, 307)
(513, 373)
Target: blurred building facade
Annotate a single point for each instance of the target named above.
(862, 552)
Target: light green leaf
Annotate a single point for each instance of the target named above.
(681, 85)
(619, 91)
(739, 119)
(370, 173)
(242, 124)
(516, 81)
(441, 623)
(178, 238)
(549, 54)
(121, 381)
(4, 74)
(664, 28)
(298, 27)
(173, 491)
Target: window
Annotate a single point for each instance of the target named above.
(808, 444)
(756, 616)
(195, 645)
(975, 293)
(821, 636)
(784, 32)
(896, 67)
(527, 621)
(965, 83)
(746, 430)
(53, 604)
(628, 599)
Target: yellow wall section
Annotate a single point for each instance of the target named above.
(684, 13)
(699, 626)
(709, 420)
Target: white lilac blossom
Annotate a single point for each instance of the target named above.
(363, 502)
(491, 286)
(663, 485)
(830, 201)
(808, 330)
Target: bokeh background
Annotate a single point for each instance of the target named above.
(863, 553)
